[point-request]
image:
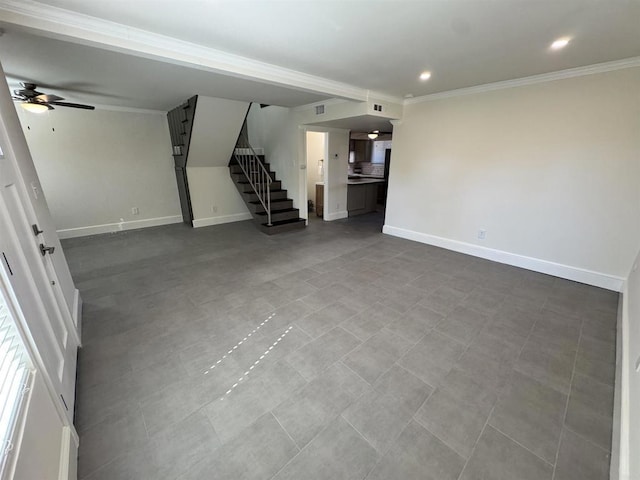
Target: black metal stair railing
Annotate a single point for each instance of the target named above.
(257, 174)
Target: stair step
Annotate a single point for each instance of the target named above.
(235, 168)
(276, 205)
(283, 226)
(288, 214)
(240, 176)
(247, 188)
(275, 195)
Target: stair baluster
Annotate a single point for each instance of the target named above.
(255, 171)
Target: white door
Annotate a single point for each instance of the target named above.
(34, 290)
(31, 258)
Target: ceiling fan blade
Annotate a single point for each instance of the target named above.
(73, 105)
(46, 98)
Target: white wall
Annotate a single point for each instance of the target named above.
(216, 127)
(275, 130)
(316, 151)
(281, 132)
(95, 166)
(214, 197)
(335, 192)
(550, 171)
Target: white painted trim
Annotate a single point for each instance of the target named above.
(336, 215)
(532, 80)
(117, 108)
(602, 280)
(65, 453)
(619, 439)
(77, 314)
(117, 227)
(64, 24)
(236, 217)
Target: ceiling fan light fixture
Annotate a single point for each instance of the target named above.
(34, 107)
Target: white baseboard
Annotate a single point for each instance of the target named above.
(77, 313)
(117, 227)
(68, 467)
(619, 462)
(336, 215)
(236, 217)
(597, 279)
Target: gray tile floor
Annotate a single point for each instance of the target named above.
(334, 353)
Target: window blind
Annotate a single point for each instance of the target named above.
(15, 372)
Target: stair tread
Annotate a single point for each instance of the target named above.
(273, 200)
(286, 210)
(284, 222)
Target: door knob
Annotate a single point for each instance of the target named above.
(44, 250)
(36, 230)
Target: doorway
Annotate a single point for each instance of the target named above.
(316, 158)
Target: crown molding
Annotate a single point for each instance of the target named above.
(117, 108)
(71, 26)
(532, 80)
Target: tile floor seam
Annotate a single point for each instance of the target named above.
(582, 437)
(486, 423)
(361, 435)
(284, 429)
(566, 406)
(521, 445)
(352, 371)
(454, 449)
(306, 446)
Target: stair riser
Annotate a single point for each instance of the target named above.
(277, 217)
(282, 228)
(275, 206)
(276, 195)
(239, 177)
(237, 169)
(246, 188)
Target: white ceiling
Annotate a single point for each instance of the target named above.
(87, 74)
(370, 45)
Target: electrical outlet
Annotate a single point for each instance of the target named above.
(135, 211)
(214, 208)
(482, 234)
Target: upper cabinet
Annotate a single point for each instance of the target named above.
(368, 151)
(360, 151)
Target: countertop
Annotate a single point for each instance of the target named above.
(360, 181)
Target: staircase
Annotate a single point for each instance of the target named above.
(180, 126)
(262, 192)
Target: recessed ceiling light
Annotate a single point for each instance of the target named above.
(425, 76)
(560, 43)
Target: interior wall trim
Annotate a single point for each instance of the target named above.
(117, 227)
(335, 215)
(236, 217)
(597, 279)
(532, 80)
(77, 314)
(87, 30)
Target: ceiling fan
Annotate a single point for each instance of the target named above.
(37, 102)
(376, 133)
